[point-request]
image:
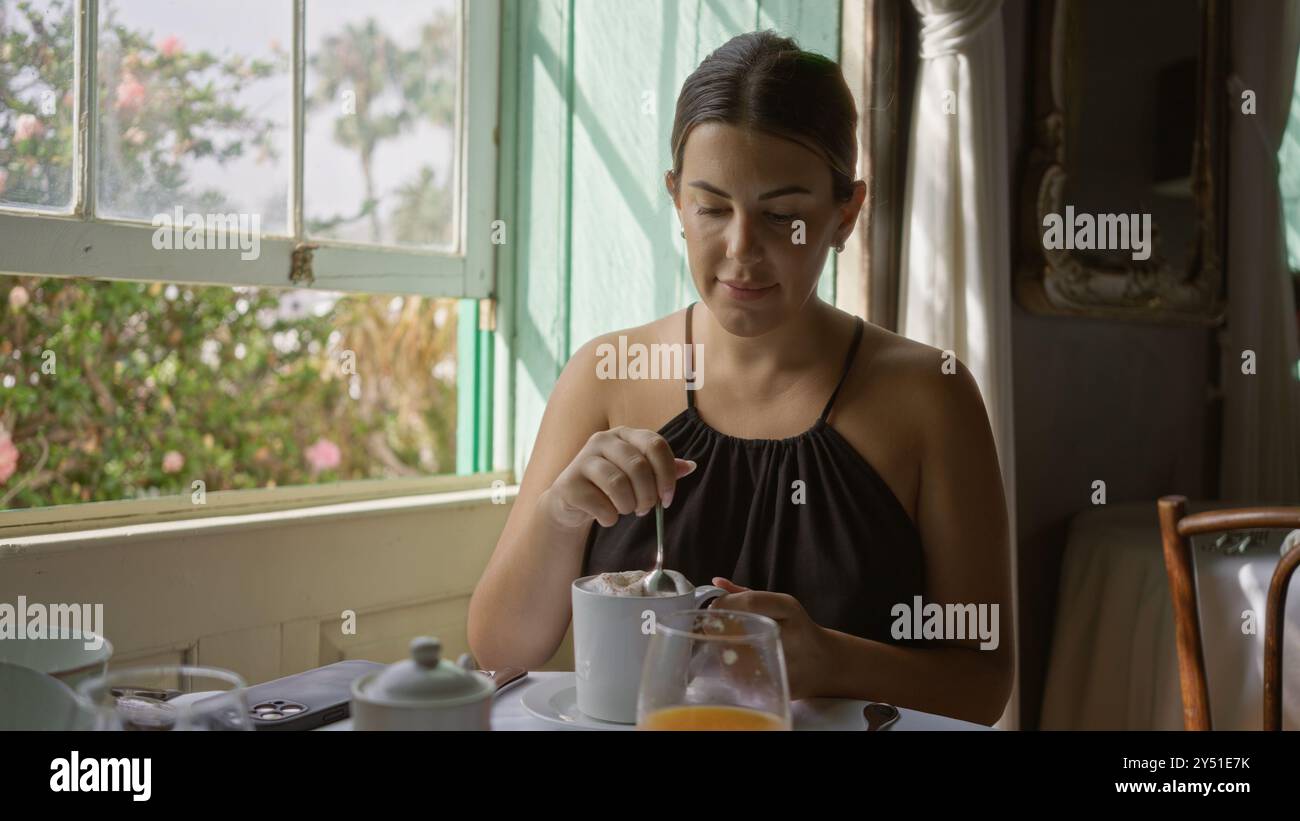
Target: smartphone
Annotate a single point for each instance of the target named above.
(307, 700)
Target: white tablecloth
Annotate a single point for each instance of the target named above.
(1114, 664)
(508, 713)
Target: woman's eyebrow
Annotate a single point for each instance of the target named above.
(789, 189)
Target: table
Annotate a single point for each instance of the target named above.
(508, 713)
(1113, 662)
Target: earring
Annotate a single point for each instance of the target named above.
(839, 248)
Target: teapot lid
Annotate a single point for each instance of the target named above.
(426, 677)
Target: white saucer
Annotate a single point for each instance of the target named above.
(556, 702)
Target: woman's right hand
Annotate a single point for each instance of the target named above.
(621, 470)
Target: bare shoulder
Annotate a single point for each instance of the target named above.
(924, 380)
(900, 399)
(669, 328)
(623, 401)
(666, 329)
(936, 404)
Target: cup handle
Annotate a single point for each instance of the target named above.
(705, 595)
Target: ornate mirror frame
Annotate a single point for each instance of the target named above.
(1059, 282)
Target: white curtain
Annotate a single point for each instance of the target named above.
(1261, 414)
(955, 265)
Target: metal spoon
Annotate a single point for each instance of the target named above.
(657, 582)
(879, 715)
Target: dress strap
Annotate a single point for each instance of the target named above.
(689, 358)
(848, 362)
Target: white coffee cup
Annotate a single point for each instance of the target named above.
(611, 635)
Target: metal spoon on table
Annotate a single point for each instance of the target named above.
(657, 582)
(879, 715)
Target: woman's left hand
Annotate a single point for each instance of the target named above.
(806, 644)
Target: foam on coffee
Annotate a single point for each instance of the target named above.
(628, 583)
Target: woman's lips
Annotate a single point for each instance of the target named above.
(746, 293)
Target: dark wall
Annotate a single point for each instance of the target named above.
(1094, 399)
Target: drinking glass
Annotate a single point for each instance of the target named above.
(166, 697)
(714, 670)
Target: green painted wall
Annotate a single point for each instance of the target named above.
(589, 88)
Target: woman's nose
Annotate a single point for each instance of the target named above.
(743, 242)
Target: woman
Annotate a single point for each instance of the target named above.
(827, 522)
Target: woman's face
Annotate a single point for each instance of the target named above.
(742, 199)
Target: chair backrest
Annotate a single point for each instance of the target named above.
(1176, 530)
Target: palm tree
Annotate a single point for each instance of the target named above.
(363, 59)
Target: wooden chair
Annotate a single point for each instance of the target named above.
(1176, 530)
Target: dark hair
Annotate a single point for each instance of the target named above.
(763, 81)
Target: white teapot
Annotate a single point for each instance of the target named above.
(423, 692)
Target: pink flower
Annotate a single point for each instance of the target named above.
(172, 462)
(134, 136)
(323, 455)
(170, 45)
(130, 93)
(8, 457)
(28, 126)
(18, 298)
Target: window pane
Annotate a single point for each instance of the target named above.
(37, 66)
(1288, 160)
(117, 390)
(380, 144)
(195, 106)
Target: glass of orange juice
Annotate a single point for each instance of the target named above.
(714, 670)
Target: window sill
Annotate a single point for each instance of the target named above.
(237, 510)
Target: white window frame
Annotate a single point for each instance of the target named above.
(80, 244)
(139, 515)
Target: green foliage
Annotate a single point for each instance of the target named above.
(113, 390)
(35, 65)
(238, 384)
(163, 107)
